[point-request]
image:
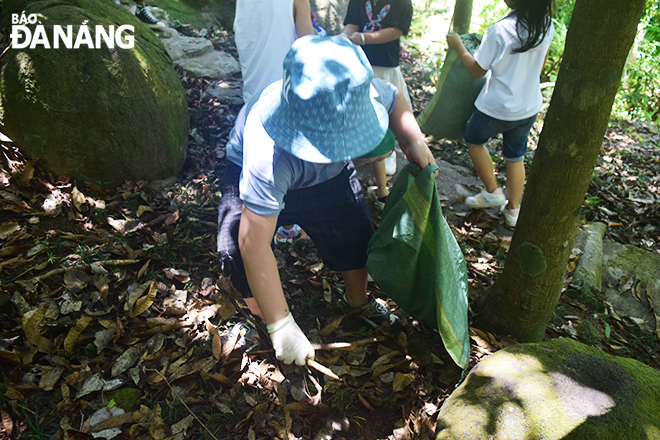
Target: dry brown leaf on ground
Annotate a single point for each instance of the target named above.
(91, 384)
(75, 332)
(143, 303)
(50, 378)
(103, 338)
(401, 381)
(331, 325)
(180, 428)
(134, 292)
(31, 325)
(127, 359)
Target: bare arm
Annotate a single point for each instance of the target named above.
(303, 18)
(254, 237)
(349, 29)
(455, 42)
(378, 37)
(411, 139)
(545, 60)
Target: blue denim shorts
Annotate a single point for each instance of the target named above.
(480, 128)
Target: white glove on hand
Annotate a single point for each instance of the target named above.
(289, 342)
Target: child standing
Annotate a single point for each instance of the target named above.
(377, 26)
(514, 50)
(262, 42)
(264, 32)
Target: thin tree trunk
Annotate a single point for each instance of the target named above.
(462, 16)
(522, 301)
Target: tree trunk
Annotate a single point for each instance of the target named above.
(462, 16)
(522, 301)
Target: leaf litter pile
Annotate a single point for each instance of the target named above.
(117, 323)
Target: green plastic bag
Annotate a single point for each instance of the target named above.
(446, 115)
(414, 258)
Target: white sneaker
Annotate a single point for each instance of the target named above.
(390, 164)
(485, 200)
(510, 216)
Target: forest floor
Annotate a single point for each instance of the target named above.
(114, 314)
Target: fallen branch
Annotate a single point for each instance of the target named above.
(323, 369)
(84, 266)
(345, 345)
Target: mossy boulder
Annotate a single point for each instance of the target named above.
(559, 389)
(96, 114)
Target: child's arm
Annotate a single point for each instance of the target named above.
(411, 139)
(378, 37)
(454, 41)
(303, 18)
(349, 30)
(254, 237)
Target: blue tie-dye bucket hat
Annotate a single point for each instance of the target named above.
(322, 110)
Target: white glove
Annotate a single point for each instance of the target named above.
(289, 342)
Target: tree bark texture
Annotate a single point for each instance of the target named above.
(523, 299)
(462, 17)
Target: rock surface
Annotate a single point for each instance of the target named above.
(197, 56)
(559, 389)
(628, 276)
(106, 115)
(631, 283)
(590, 267)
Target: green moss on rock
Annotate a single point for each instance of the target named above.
(126, 398)
(106, 115)
(559, 389)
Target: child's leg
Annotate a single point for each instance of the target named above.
(483, 164)
(513, 150)
(378, 167)
(355, 282)
(515, 183)
(254, 307)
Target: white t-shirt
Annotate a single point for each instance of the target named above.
(270, 172)
(264, 32)
(512, 91)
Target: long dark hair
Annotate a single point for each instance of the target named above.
(533, 16)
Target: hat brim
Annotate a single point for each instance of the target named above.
(320, 146)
